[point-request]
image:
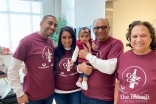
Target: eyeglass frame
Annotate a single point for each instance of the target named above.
(102, 28)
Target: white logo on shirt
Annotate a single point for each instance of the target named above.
(131, 74)
(133, 78)
(48, 55)
(67, 65)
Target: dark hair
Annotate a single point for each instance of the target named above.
(150, 28)
(45, 17)
(59, 50)
(84, 28)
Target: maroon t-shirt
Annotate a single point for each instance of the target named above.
(66, 76)
(38, 56)
(137, 76)
(101, 85)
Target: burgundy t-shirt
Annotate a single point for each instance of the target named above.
(101, 85)
(38, 56)
(137, 76)
(66, 76)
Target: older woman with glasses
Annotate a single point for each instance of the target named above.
(136, 71)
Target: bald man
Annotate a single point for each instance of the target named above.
(102, 80)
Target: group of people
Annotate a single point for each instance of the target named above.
(85, 71)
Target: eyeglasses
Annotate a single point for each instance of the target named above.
(102, 27)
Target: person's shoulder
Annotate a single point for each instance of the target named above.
(127, 53)
(29, 37)
(153, 52)
(115, 42)
(115, 39)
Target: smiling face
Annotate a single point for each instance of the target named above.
(66, 39)
(140, 39)
(84, 37)
(48, 27)
(101, 29)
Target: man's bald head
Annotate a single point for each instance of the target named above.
(100, 19)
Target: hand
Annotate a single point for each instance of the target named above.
(94, 47)
(71, 62)
(24, 70)
(83, 53)
(85, 68)
(23, 99)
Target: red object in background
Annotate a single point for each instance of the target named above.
(6, 50)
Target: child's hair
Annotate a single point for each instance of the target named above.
(84, 29)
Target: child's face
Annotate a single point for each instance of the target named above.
(84, 37)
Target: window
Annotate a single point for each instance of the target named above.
(18, 18)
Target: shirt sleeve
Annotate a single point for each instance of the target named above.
(107, 66)
(104, 66)
(75, 54)
(14, 77)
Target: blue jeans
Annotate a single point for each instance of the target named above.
(47, 100)
(87, 100)
(68, 98)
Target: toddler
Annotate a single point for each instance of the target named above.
(84, 38)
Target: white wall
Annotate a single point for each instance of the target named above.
(82, 12)
(67, 10)
(86, 11)
(51, 7)
(48, 7)
(126, 11)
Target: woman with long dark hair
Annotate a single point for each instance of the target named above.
(66, 91)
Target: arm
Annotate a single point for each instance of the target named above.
(14, 79)
(116, 92)
(75, 54)
(105, 66)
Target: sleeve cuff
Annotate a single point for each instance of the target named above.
(78, 70)
(88, 56)
(20, 92)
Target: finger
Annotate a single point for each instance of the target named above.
(84, 46)
(93, 44)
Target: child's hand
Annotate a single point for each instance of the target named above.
(94, 47)
(24, 70)
(71, 62)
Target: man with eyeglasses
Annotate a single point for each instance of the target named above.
(102, 80)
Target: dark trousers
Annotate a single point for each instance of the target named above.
(47, 100)
(68, 98)
(87, 100)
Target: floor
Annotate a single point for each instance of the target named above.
(5, 88)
